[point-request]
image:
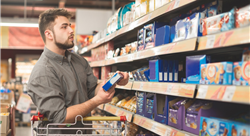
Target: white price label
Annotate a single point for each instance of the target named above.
(23, 103)
(202, 92)
(229, 93)
(210, 41)
(141, 86)
(169, 88)
(176, 4)
(154, 126)
(168, 132)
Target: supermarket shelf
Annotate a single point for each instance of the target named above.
(120, 59)
(118, 111)
(127, 86)
(230, 38)
(181, 46)
(144, 19)
(6, 134)
(22, 48)
(158, 128)
(175, 89)
(97, 63)
(236, 94)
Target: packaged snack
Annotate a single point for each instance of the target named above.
(173, 116)
(139, 94)
(242, 17)
(214, 8)
(128, 48)
(180, 30)
(216, 73)
(162, 35)
(112, 81)
(193, 23)
(117, 98)
(149, 33)
(211, 25)
(123, 51)
(192, 120)
(239, 129)
(150, 102)
(117, 52)
(143, 75)
(140, 40)
(133, 47)
(228, 21)
(149, 109)
(195, 107)
(156, 70)
(177, 105)
(127, 105)
(241, 73)
(123, 101)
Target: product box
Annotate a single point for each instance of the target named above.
(246, 54)
(238, 129)
(147, 73)
(161, 108)
(219, 23)
(152, 5)
(172, 28)
(150, 33)
(193, 24)
(170, 71)
(144, 6)
(175, 113)
(176, 71)
(216, 73)
(6, 96)
(144, 77)
(5, 108)
(213, 127)
(112, 81)
(166, 71)
(149, 107)
(180, 30)
(242, 16)
(140, 103)
(241, 73)
(156, 70)
(4, 122)
(214, 8)
(193, 64)
(162, 35)
(140, 40)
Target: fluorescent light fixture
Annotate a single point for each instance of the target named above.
(19, 24)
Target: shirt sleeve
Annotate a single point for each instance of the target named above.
(91, 81)
(46, 95)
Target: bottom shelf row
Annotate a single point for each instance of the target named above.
(176, 116)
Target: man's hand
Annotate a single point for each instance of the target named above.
(103, 96)
(125, 79)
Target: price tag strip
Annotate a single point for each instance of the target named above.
(176, 89)
(225, 93)
(158, 128)
(229, 38)
(119, 111)
(128, 86)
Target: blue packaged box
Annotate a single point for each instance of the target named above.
(147, 73)
(150, 33)
(170, 71)
(239, 129)
(180, 30)
(166, 71)
(241, 73)
(172, 28)
(193, 64)
(213, 127)
(176, 71)
(162, 35)
(214, 8)
(140, 40)
(216, 73)
(156, 70)
(193, 24)
(113, 80)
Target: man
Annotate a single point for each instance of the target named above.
(62, 84)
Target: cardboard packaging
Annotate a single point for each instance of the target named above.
(5, 107)
(140, 103)
(149, 105)
(239, 129)
(216, 73)
(162, 35)
(156, 70)
(161, 108)
(150, 33)
(140, 40)
(5, 122)
(241, 73)
(112, 81)
(193, 64)
(242, 16)
(6, 96)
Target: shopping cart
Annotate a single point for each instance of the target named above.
(40, 117)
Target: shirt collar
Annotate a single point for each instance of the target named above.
(56, 57)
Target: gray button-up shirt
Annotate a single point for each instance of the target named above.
(57, 82)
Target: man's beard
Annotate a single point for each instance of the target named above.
(66, 45)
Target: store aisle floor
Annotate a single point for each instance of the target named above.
(23, 131)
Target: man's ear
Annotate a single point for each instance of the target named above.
(48, 34)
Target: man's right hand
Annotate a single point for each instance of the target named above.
(103, 96)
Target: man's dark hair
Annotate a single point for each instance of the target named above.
(47, 19)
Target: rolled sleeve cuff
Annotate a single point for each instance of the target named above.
(60, 116)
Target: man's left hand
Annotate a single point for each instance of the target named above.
(125, 79)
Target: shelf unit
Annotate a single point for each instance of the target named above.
(224, 93)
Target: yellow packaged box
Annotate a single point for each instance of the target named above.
(4, 122)
(5, 107)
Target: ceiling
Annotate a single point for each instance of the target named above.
(15, 8)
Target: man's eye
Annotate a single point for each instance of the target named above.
(65, 27)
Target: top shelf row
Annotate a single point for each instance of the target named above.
(176, 4)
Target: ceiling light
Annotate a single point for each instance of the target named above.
(19, 24)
